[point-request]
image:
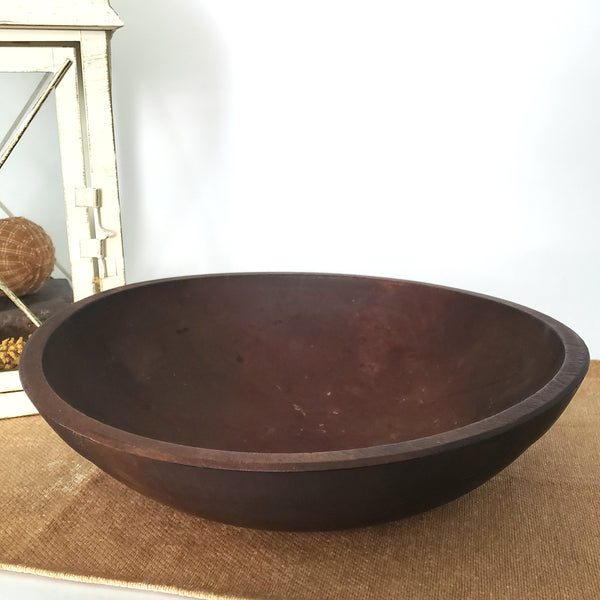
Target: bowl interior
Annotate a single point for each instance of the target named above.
(296, 363)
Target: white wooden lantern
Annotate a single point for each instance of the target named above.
(69, 41)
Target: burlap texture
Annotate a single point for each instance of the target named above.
(532, 532)
(26, 255)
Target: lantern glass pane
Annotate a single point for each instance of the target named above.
(31, 178)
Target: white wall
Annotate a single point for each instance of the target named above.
(451, 142)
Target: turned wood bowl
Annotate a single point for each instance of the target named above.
(300, 401)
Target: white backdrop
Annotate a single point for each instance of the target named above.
(450, 142)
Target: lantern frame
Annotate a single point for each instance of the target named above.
(42, 36)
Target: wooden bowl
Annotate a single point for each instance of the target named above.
(300, 401)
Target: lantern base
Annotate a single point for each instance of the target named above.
(55, 295)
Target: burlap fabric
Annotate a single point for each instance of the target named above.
(532, 532)
(26, 255)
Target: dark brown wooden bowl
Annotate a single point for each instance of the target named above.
(301, 401)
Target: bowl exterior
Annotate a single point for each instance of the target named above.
(333, 498)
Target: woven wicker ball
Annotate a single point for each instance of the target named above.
(26, 255)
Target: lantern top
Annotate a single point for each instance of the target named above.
(58, 14)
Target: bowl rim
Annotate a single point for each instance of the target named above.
(61, 415)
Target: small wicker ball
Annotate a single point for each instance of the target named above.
(26, 255)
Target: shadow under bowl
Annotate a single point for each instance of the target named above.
(300, 401)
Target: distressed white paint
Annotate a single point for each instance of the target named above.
(56, 14)
(101, 151)
(10, 382)
(16, 404)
